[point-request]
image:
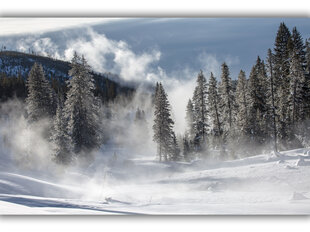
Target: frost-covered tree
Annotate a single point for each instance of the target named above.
(297, 81)
(200, 111)
(258, 111)
(242, 102)
(271, 99)
(176, 151)
(190, 130)
(307, 58)
(281, 76)
(227, 101)
(214, 111)
(163, 125)
(299, 84)
(40, 101)
(140, 115)
(82, 108)
(186, 149)
(62, 151)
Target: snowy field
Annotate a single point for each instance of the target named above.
(264, 184)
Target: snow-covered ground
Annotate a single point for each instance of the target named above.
(264, 184)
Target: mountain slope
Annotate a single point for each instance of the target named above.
(18, 64)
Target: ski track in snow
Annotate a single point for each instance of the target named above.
(263, 184)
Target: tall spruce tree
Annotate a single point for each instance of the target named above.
(214, 112)
(190, 130)
(176, 151)
(40, 101)
(258, 111)
(297, 81)
(281, 76)
(200, 112)
(60, 138)
(307, 58)
(163, 126)
(271, 99)
(82, 108)
(186, 149)
(299, 86)
(242, 102)
(227, 101)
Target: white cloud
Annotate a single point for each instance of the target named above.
(106, 55)
(209, 63)
(212, 62)
(13, 26)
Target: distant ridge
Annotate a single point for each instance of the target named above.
(18, 64)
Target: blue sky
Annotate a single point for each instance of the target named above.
(183, 43)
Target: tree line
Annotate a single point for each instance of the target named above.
(269, 110)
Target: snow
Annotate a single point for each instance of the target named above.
(254, 185)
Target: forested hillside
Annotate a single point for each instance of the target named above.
(15, 67)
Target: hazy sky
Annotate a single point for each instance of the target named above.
(13, 26)
(165, 44)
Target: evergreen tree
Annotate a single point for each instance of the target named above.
(200, 112)
(163, 125)
(271, 100)
(227, 101)
(41, 98)
(281, 77)
(60, 138)
(258, 111)
(299, 86)
(214, 112)
(190, 131)
(307, 58)
(186, 149)
(82, 108)
(297, 80)
(176, 151)
(242, 102)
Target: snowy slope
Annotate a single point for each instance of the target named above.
(264, 184)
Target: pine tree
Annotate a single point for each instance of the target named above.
(227, 101)
(41, 98)
(214, 112)
(299, 86)
(307, 59)
(258, 111)
(190, 131)
(281, 77)
(163, 125)
(242, 102)
(186, 149)
(82, 108)
(271, 100)
(176, 151)
(60, 138)
(297, 80)
(200, 112)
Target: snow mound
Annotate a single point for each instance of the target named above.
(274, 155)
(298, 196)
(290, 167)
(301, 162)
(307, 153)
